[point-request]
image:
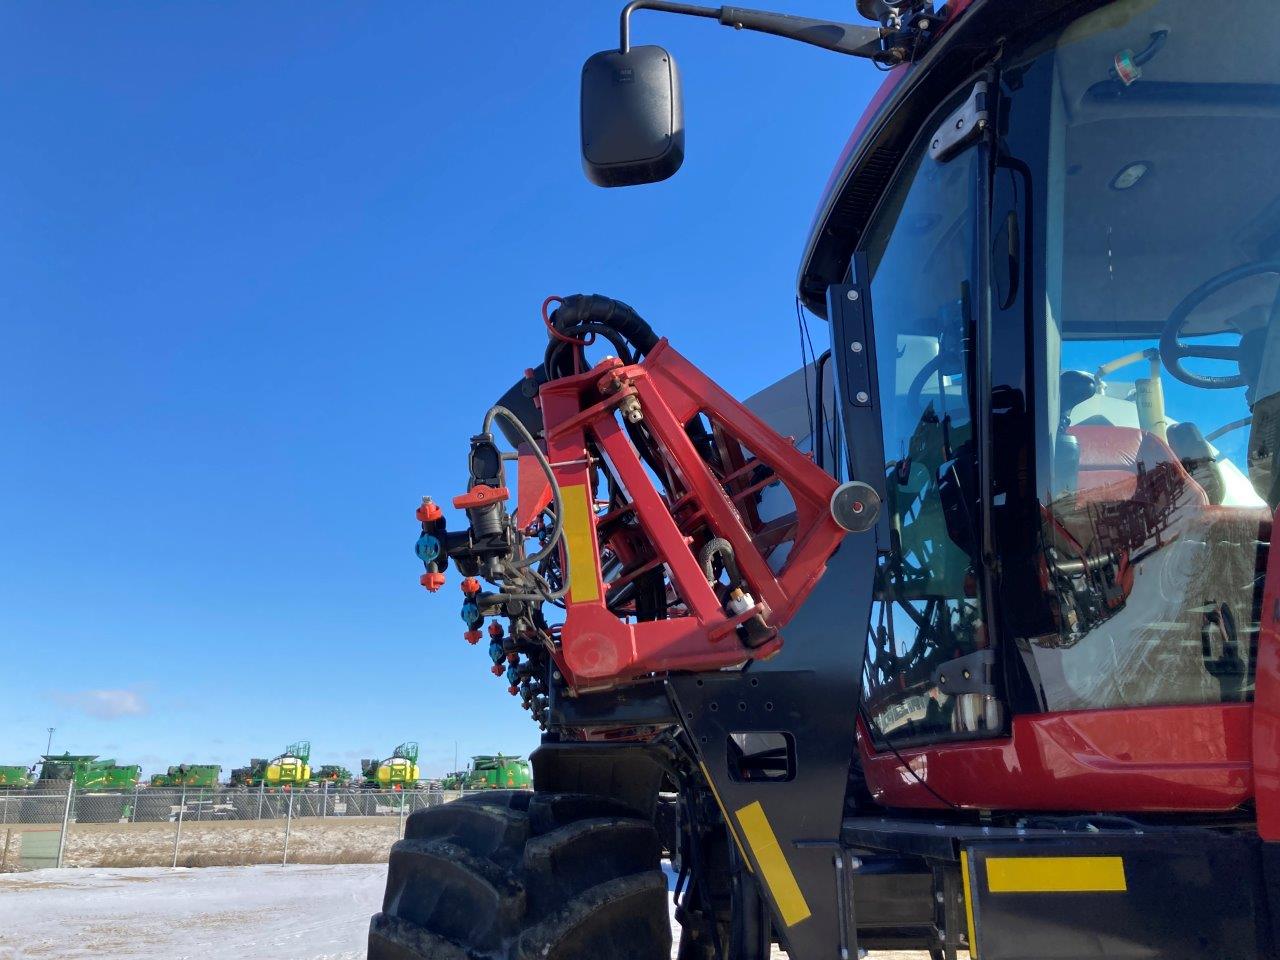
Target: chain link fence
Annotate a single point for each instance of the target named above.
(52, 803)
(42, 817)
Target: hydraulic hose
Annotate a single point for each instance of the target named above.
(557, 525)
(591, 308)
(724, 550)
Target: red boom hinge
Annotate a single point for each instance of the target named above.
(702, 482)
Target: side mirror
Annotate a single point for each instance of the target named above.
(632, 117)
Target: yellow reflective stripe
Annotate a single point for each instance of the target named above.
(579, 540)
(1056, 875)
(968, 904)
(773, 864)
(727, 822)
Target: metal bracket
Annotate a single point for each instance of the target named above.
(971, 673)
(963, 127)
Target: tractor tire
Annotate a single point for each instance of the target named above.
(517, 875)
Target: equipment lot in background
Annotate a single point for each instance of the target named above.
(302, 912)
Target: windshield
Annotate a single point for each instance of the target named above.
(1146, 150)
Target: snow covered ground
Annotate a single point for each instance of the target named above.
(302, 912)
(299, 912)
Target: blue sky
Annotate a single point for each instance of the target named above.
(265, 266)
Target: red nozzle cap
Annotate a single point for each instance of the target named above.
(429, 512)
(497, 670)
(513, 658)
(432, 581)
(470, 585)
(495, 629)
(513, 690)
(480, 496)
(472, 636)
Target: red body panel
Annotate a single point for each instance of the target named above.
(1196, 758)
(1266, 719)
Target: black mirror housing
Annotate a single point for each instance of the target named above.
(632, 117)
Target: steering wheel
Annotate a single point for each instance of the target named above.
(1173, 350)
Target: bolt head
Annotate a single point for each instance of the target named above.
(852, 294)
(862, 397)
(856, 346)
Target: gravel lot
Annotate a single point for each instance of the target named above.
(303, 912)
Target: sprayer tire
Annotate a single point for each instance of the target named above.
(516, 875)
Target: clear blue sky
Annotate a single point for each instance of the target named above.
(264, 267)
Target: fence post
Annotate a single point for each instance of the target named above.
(133, 811)
(288, 822)
(177, 834)
(324, 800)
(66, 818)
(401, 828)
(262, 789)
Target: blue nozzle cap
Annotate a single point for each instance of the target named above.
(427, 548)
(471, 614)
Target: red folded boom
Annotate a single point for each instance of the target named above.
(673, 508)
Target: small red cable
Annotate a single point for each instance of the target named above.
(546, 319)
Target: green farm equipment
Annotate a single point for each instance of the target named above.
(332, 773)
(15, 777)
(398, 770)
(89, 772)
(204, 775)
(290, 769)
(101, 785)
(498, 772)
(252, 775)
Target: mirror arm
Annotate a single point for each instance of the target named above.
(687, 9)
(838, 37)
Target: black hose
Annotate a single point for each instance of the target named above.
(552, 359)
(724, 549)
(583, 308)
(820, 414)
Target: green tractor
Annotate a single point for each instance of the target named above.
(498, 772)
(202, 775)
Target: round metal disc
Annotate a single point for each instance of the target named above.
(855, 506)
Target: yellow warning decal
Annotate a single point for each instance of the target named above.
(579, 539)
(968, 904)
(1056, 875)
(773, 864)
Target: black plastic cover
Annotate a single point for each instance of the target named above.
(632, 117)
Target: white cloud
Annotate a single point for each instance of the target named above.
(105, 704)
